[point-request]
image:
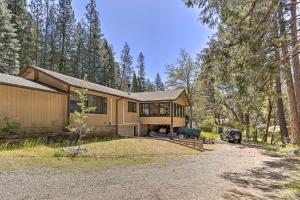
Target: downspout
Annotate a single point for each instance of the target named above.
(172, 118)
(117, 126)
(68, 107)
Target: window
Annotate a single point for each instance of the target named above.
(93, 101)
(144, 109)
(74, 100)
(154, 109)
(131, 106)
(178, 110)
(99, 102)
(164, 109)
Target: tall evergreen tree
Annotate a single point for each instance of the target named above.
(108, 65)
(65, 24)
(78, 68)
(22, 21)
(36, 8)
(52, 39)
(134, 84)
(9, 44)
(47, 9)
(141, 73)
(117, 75)
(126, 65)
(94, 43)
(150, 87)
(159, 85)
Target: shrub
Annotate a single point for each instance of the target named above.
(190, 132)
(9, 126)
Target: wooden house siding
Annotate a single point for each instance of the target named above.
(37, 111)
(117, 119)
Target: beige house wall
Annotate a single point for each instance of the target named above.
(37, 111)
(116, 106)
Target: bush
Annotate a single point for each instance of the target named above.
(190, 132)
(9, 126)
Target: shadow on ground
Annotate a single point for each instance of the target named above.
(263, 182)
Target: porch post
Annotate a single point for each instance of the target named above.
(171, 125)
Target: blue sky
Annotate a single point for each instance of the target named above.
(158, 28)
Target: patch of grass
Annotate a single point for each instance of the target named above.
(59, 153)
(278, 149)
(210, 135)
(101, 154)
(292, 186)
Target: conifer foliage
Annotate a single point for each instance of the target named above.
(45, 33)
(9, 44)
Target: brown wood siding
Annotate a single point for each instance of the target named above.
(37, 111)
(48, 80)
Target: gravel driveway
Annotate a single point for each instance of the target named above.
(229, 172)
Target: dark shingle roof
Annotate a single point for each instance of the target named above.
(19, 81)
(141, 96)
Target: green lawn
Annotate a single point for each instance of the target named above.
(210, 135)
(101, 154)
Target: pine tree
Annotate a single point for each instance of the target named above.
(78, 68)
(65, 25)
(22, 21)
(134, 84)
(159, 86)
(94, 43)
(150, 87)
(9, 44)
(47, 9)
(108, 67)
(126, 65)
(117, 75)
(141, 73)
(53, 39)
(36, 8)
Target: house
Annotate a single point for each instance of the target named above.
(44, 101)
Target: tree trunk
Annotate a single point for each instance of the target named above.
(255, 135)
(295, 57)
(265, 139)
(295, 129)
(247, 122)
(61, 67)
(191, 117)
(46, 35)
(280, 111)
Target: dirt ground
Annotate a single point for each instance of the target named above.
(229, 172)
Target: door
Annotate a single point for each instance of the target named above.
(135, 131)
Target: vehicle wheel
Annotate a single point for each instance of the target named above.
(240, 141)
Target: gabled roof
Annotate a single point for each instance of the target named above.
(76, 82)
(11, 80)
(141, 96)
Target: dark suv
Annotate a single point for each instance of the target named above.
(232, 135)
